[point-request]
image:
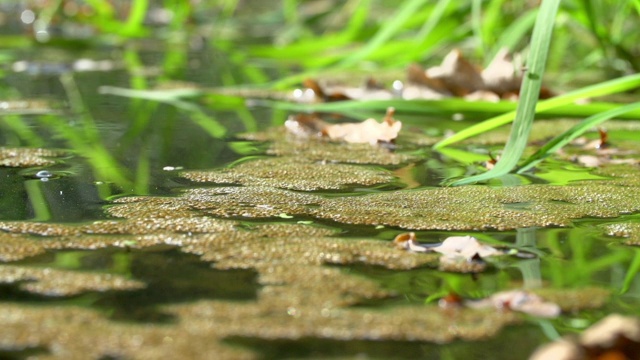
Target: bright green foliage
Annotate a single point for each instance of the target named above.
(529, 93)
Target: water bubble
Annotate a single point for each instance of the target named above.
(28, 17)
(44, 175)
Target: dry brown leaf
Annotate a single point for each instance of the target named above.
(462, 254)
(501, 76)
(305, 125)
(597, 161)
(368, 131)
(614, 337)
(416, 75)
(314, 91)
(407, 241)
(466, 247)
(607, 332)
(457, 74)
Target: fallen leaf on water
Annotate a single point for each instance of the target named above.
(407, 241)
(597, 161)
(305, 125)
(614, 337)
(455, 76)
(369, 131)
(467, 247)
(458, 75)
(314, 91)
(502, 76)
(518, 300)
(459, 253)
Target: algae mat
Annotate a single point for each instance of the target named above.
(292, 250)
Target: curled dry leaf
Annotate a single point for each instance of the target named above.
(314, 92)
(368, 131)
(455, 76)
(608, 332)
(407, 241)
(519, 300)
(466, 247)
(614, 337)
(463, 254)
(458, 75)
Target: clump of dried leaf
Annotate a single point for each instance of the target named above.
(368, 131)
(459, 253)
(455, 76)
(614, 337)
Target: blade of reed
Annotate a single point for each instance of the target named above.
(390, 28)
(561, 140)
(529, 93)
(441, 107)
(513, 34)
(632, 273)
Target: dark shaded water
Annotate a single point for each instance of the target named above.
(170, 276)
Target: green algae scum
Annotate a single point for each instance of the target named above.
(154, 206)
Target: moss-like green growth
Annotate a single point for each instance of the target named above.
(465, 208)
(28, 157)
(572, 300)
(68, 332)
(302, 294)
(293, 173)
(53, 282)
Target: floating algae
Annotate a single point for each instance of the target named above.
(305, 283)
(292, 173)
(28, 157)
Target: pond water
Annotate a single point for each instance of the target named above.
(160, 227)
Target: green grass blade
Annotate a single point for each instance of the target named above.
(390, 28)
(476, 26)
(134, 24)
(632, 272)
(438, 12)
(444, 107)
(513, 34)
(604, 88)
(173, 98)
(530, 91)
(561, 140)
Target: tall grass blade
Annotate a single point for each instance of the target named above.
(604, 88)
(561, 140)
(513, 34)
(393, 25)
(632, 273)
(529, 93)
